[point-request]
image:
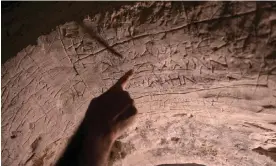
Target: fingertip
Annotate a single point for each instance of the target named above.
(130, 72)
(123, 80)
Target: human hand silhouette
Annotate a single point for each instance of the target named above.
(112, 112)
(107, 117)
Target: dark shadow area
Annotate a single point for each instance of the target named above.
(185, 164)
(270, 152)
(24, 22)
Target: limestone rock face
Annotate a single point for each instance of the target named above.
(204, 85)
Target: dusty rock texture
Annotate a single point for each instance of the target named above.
(204, 85)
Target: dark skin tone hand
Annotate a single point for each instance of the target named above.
(107, 118)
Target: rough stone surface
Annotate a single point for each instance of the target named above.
(204, 85)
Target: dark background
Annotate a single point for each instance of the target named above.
(24, 22)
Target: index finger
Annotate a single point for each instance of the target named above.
(121, 83)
